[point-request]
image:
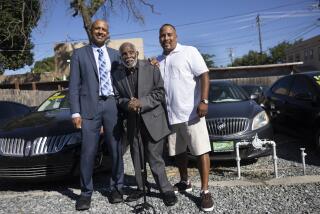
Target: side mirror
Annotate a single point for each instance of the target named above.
(304, 96)
(33, 108)
(254, 97)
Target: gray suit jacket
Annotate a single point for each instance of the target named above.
(151, 95)
(84, 81)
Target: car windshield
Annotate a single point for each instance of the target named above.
(316, 78)
(226, 92)
(56, 101)
(254, 89)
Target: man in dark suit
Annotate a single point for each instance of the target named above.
(93, 106)
(140, 93)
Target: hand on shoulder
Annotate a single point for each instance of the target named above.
(153, 61)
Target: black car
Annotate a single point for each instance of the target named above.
(234, 117)
(256, 92)
(44, 143)
(293, 103)
(10, 110)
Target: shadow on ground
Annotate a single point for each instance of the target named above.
(288, 148)
(65, 186)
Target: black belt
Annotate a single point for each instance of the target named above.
(105, 97)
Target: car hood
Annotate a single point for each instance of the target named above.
(245, 109)
(47, 123)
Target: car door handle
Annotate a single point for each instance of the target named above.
(283, 102)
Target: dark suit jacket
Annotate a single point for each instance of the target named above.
(84, 81)
(151, 95)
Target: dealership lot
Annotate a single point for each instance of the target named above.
(256, 192)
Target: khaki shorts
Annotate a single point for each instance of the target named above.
(193, 135)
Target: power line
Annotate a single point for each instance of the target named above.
(242, 36)
(191, 23)
(214, 19)
(301, 30)
(224, 43)
(307, 31)
(250, 35)
(187, 24)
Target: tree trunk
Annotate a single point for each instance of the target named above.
(86, 17)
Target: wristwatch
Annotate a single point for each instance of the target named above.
(205, 101)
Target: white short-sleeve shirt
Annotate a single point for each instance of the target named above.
(180, 71)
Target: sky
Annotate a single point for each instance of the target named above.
(223, 28)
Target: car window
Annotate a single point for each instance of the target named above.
(300, 86)
(56, 101)
(282, 86)
(9, 110)
(250, 89)
(254, 89)
(222, 92)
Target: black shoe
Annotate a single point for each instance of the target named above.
(169, 198)
(83, 203)
(182, 186)
(115, 197)
(134, 196)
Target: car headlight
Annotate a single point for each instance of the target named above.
(260, 120)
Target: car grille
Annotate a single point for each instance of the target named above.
(226, 126)
(38, 146)
(35, 171)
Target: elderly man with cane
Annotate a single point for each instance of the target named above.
(140, 94)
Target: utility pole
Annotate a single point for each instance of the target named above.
(259, 30)
(231, 54)
(315, 6)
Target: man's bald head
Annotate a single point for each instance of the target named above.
(98, 21)
(99, 32)
(168, 38)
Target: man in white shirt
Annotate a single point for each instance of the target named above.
(186, 83)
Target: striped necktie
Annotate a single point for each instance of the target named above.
(104, 75)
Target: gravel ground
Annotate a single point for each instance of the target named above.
(252, 194)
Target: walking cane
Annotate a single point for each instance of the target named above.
(139, 208)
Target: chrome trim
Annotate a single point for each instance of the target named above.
(227, 126)
(40, 146)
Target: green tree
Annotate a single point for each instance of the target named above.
(88, 8)
(18, 18)
(208, 58)
(252, 58)
(45, 65)
(277, 53)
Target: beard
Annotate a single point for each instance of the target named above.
(131, 64)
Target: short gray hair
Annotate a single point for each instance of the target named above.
(127, 44)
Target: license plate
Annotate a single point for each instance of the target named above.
(222, 146)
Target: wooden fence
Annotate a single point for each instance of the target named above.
(35, 92)
(42, 86)
(27, 97)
